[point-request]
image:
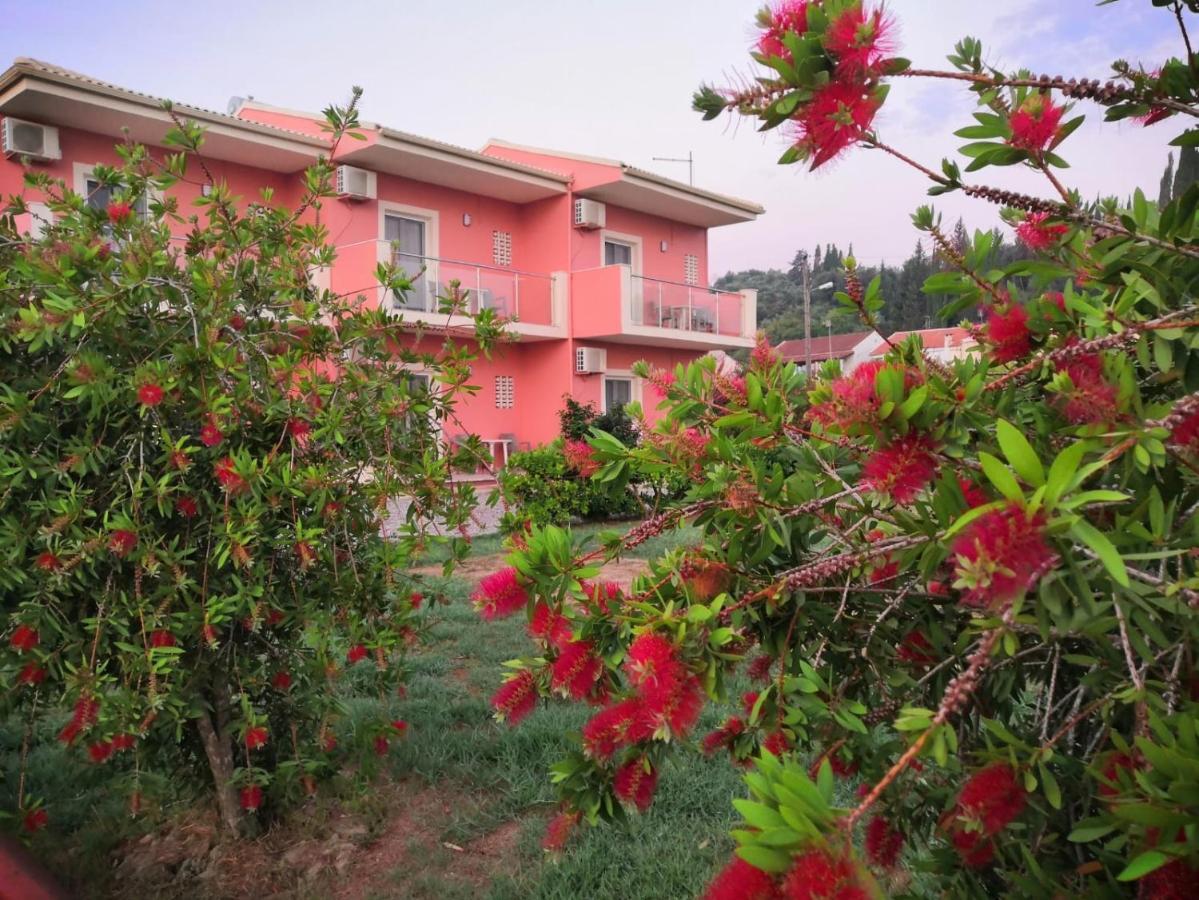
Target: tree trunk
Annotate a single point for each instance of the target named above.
(220, 759)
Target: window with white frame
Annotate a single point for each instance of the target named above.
(691, 269)
(98, 196)
(505, 392)
(501, 248)
(618, 392)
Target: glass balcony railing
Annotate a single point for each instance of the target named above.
(687, 307)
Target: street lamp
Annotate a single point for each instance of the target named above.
(807, 315)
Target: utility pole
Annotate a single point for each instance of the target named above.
(690, 161)
(807, 313)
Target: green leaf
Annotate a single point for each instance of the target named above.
(1143, 865)
(1103, 548)
(773, 861)
(1019, 453)
(1000, 476)
(1086, 833)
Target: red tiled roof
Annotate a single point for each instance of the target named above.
(839, 346)
(932, 338)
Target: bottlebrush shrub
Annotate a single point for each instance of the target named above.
(974, 578)
(199, 447)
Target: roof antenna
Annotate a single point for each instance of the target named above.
(690, 161)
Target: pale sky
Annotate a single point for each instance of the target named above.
(614, 79)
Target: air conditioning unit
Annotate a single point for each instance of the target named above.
(590, 214)
(23, 138)
(354, 183)
(590, 360)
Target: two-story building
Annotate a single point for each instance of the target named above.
(595, 263)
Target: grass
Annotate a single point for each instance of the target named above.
(493, 544)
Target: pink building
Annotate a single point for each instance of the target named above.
(597, 264)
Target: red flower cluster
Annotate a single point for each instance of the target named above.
(635, 783)
(883, 843)
(357, 653)
(47, 561)
(860, 41)
(210, 435)
(706, 578)
(759, 668)
(1186, 433)
(741, 881)
(1001, 555)
(281, 681)
(250, 797)
(35, 820)
(23, 639)
(1093, 398)
(972, 493)
(121, 542)
(604, 595)
(558, 831)
(256, 737)
(854, 401)
(516, 698)
(903, 468)
(838, 116)
(500, 594)
(776, 743)
(100, 751)
(916, 649)
(299, 430)
(723, 736)
(581, 457)
(118, 212)
(87, 709)
(1113, 764)
(989, 801)
(31, 675)
(305, 554)
(1037, 234)
(1176, 880)
(187, 507)
(786, 16)
(149, 395)
(824, 875)
(576, 670)
(225, 471)
(549, 626)
(1035, 125)
(162, 638)
(662, 380)
(1007, 333)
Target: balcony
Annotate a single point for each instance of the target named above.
(533, 304)
(613, 304)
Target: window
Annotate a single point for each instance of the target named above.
(98, 196)
(501, 248)
(617, 253)
(505, 392)
(691, 269)
(407, 238)
(419, 387)
(618, 392)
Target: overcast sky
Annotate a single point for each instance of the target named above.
(614, 79)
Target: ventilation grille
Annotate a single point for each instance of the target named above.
(501, 248)
(691, 269)
(505, 392)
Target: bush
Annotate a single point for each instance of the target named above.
(190, 552)
(971, 586)
(541, 488)
(578, 419)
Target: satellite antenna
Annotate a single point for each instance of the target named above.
(689, 160)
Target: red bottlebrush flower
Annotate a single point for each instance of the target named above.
(604, 595)
(748, 699)
(1176, 880)
(763, 356)
(1093, 397)
(993, 796)
(23, 639)
(936, 589)
(400, 727)
(576, 669)
(786, 16)
(662, 380)
(47, 561)
(1058, 299)
(299, 430)
(118, 212)
(256, 737)
(853, 402)
(859, 40)
(776, 742)
(149, 395)
(883, 843)
(281, 681)
(1186, 433)
(741, 881)
(549, 626)
(208, 634)
(885, 571)
(415, 600)
(581, 458)
(31, 675)
(382, 745)
(635, 783)
(187, 507)
(903, 468)
(305, 554)
(723, 736)
(237, 322)
(122, 742)
(500, 594)
(100, 751)
(1007, 333)
(210, 435)
(1035, 124)
(121, 542)
(1001, 555)
(558, 831)
(357, 654)
(835, 119)
(916, 649)
(1113, 764)
(651, 663)
(759, 668)
(977, 851)
(250, 797)
(516, 698)
(35, 820)
(972, 493)
(705, 577)
(162, 638)
(84, 717)
(1036, 234)
(328, 742)
(225, 472)
(609, 729)
(180, 460)
(669, 710)
(332, 508)
(821, 875)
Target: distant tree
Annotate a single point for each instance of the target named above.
(1167, 183)
(1187, 172)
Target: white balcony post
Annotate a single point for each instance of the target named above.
(659, 304)
(717, 297)
(690, 311)
(749, 312)
(516, 294)
(478, 304)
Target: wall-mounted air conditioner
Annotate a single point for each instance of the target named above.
(590, 360)
(21, 138)
(590, 214)
(354, 183)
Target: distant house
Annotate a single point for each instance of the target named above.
(851, 350)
